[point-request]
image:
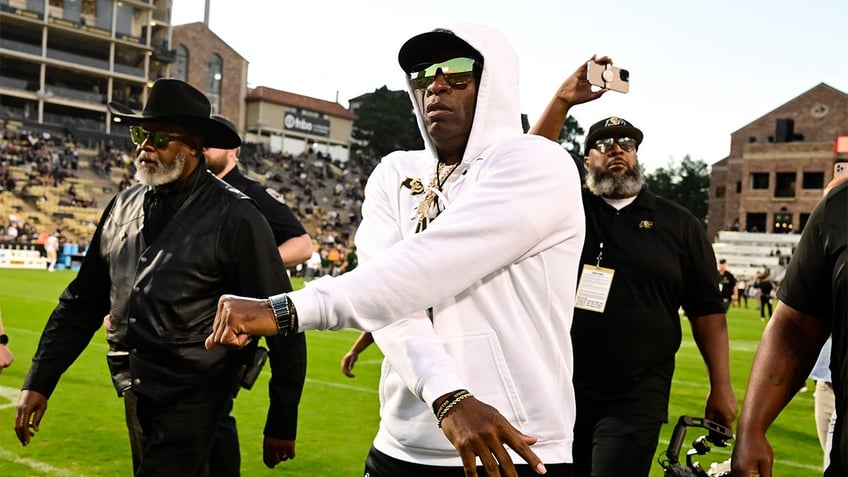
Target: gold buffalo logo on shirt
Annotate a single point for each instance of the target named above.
(415, 185)
(276, 195)
(646, 224)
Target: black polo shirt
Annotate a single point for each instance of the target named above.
(282, 220)
(624, 357)
(816, 283)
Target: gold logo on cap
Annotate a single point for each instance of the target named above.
(646, 224)
(614, 121)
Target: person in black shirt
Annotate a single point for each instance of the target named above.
(647, 257)
(813, 303)
(287, 353)
(164, 252)
(726, 284)
(766, 286)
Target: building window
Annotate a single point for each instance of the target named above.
(720, 192)
(214, 76)
(179, 70)
(760, 180)
(784, 184)
(813, 180)
(755, 222)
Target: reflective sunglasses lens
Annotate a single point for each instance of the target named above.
(424, 74)
(138, 134)
(160, 139)
(627, 143)
(604, 145)
(459, 80)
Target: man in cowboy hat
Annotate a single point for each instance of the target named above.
(163, 253)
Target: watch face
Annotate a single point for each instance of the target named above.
(4, 339)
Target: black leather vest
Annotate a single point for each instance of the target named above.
(164, 295)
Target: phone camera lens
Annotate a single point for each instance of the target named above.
(625, 75)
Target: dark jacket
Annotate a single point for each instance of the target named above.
(162, 296)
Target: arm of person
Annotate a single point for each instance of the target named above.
(287, 357)
(296, 250)
(784, 358)
(504, 203)
(573, 91)
(259, 271)
(349, 359)
(69, 329)
(710, 334)
(6, 356)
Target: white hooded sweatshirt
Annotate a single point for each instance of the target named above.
(498, 267)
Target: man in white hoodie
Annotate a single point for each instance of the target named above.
(469, 252)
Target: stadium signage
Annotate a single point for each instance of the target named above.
(306, 124)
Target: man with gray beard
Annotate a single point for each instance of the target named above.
(164, 252)
(644, 257)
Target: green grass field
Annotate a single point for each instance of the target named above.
(83, 432)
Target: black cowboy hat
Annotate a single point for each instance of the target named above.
(177, 102)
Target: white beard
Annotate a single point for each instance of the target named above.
(161, 174)
(615, 186)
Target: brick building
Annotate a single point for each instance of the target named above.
(778, 165)
(209, 64)
(293, 123)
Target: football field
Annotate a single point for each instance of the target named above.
(83, 431)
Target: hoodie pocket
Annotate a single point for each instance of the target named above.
(484, 368)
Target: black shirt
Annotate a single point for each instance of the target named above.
(727, 284)
(624, 357)
(816, 283)
(282, 220)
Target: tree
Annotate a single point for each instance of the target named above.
(571, 130)
(385, 122)
(686, 183)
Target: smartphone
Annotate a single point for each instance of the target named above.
(605, 75)
(840, 169)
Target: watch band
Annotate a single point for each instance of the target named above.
(284, 313)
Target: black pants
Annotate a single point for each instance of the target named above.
(613, 446)
(175, 438)
(380, 465)
(765, 301)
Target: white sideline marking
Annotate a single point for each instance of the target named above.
(42, 467)
(10, 394)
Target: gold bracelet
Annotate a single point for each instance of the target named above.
(444, 412)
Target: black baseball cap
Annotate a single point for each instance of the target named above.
(611, 127)
(420, 48)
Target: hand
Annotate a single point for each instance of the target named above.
(721, 407)
(752, 455)
(6, 357)
(348, 361)
(31, 408)
(237, 319)
(276, 450)
(478, 430)
(576, 88)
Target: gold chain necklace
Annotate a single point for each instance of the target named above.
(430, 199)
